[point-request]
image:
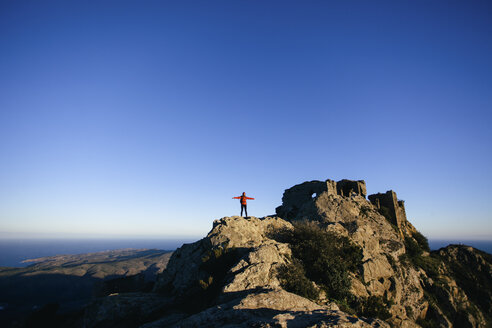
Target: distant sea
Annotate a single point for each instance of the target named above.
(13, 252)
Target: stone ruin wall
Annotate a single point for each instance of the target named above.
(294, 198)
(305, 191)
(390, 201)
(347, 187)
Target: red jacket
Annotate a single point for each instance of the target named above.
(242, 199)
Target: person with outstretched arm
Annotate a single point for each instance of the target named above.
(242, 200)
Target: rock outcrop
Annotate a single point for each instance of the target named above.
(250, 292)
(231, 278)
(257, 256)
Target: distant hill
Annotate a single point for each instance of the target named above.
(71, 281)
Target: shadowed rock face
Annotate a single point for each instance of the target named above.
(465, 294)
(230, 277)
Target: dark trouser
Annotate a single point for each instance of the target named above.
(243, 206)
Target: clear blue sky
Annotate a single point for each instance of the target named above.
(144, 118)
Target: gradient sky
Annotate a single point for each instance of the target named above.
(144, 118)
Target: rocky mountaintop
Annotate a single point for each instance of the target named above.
(330, 258)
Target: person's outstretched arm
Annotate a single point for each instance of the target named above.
(236, 197)
(249, 198)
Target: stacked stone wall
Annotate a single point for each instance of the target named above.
(298, 195)
(390, 201)
(347, 187)
(295, 197)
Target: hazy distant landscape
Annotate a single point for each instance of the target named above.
(71, 281)
(14, 252)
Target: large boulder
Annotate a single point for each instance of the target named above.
(257, 255)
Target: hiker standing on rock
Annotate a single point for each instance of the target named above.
(243, 203)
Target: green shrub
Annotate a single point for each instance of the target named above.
(430, 264)
(372, 307)
(347, 305)
(422, 241)
(326, 258)
(293, 279)
(413, 249)
(416, 244)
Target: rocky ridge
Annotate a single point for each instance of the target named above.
(231, 277)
